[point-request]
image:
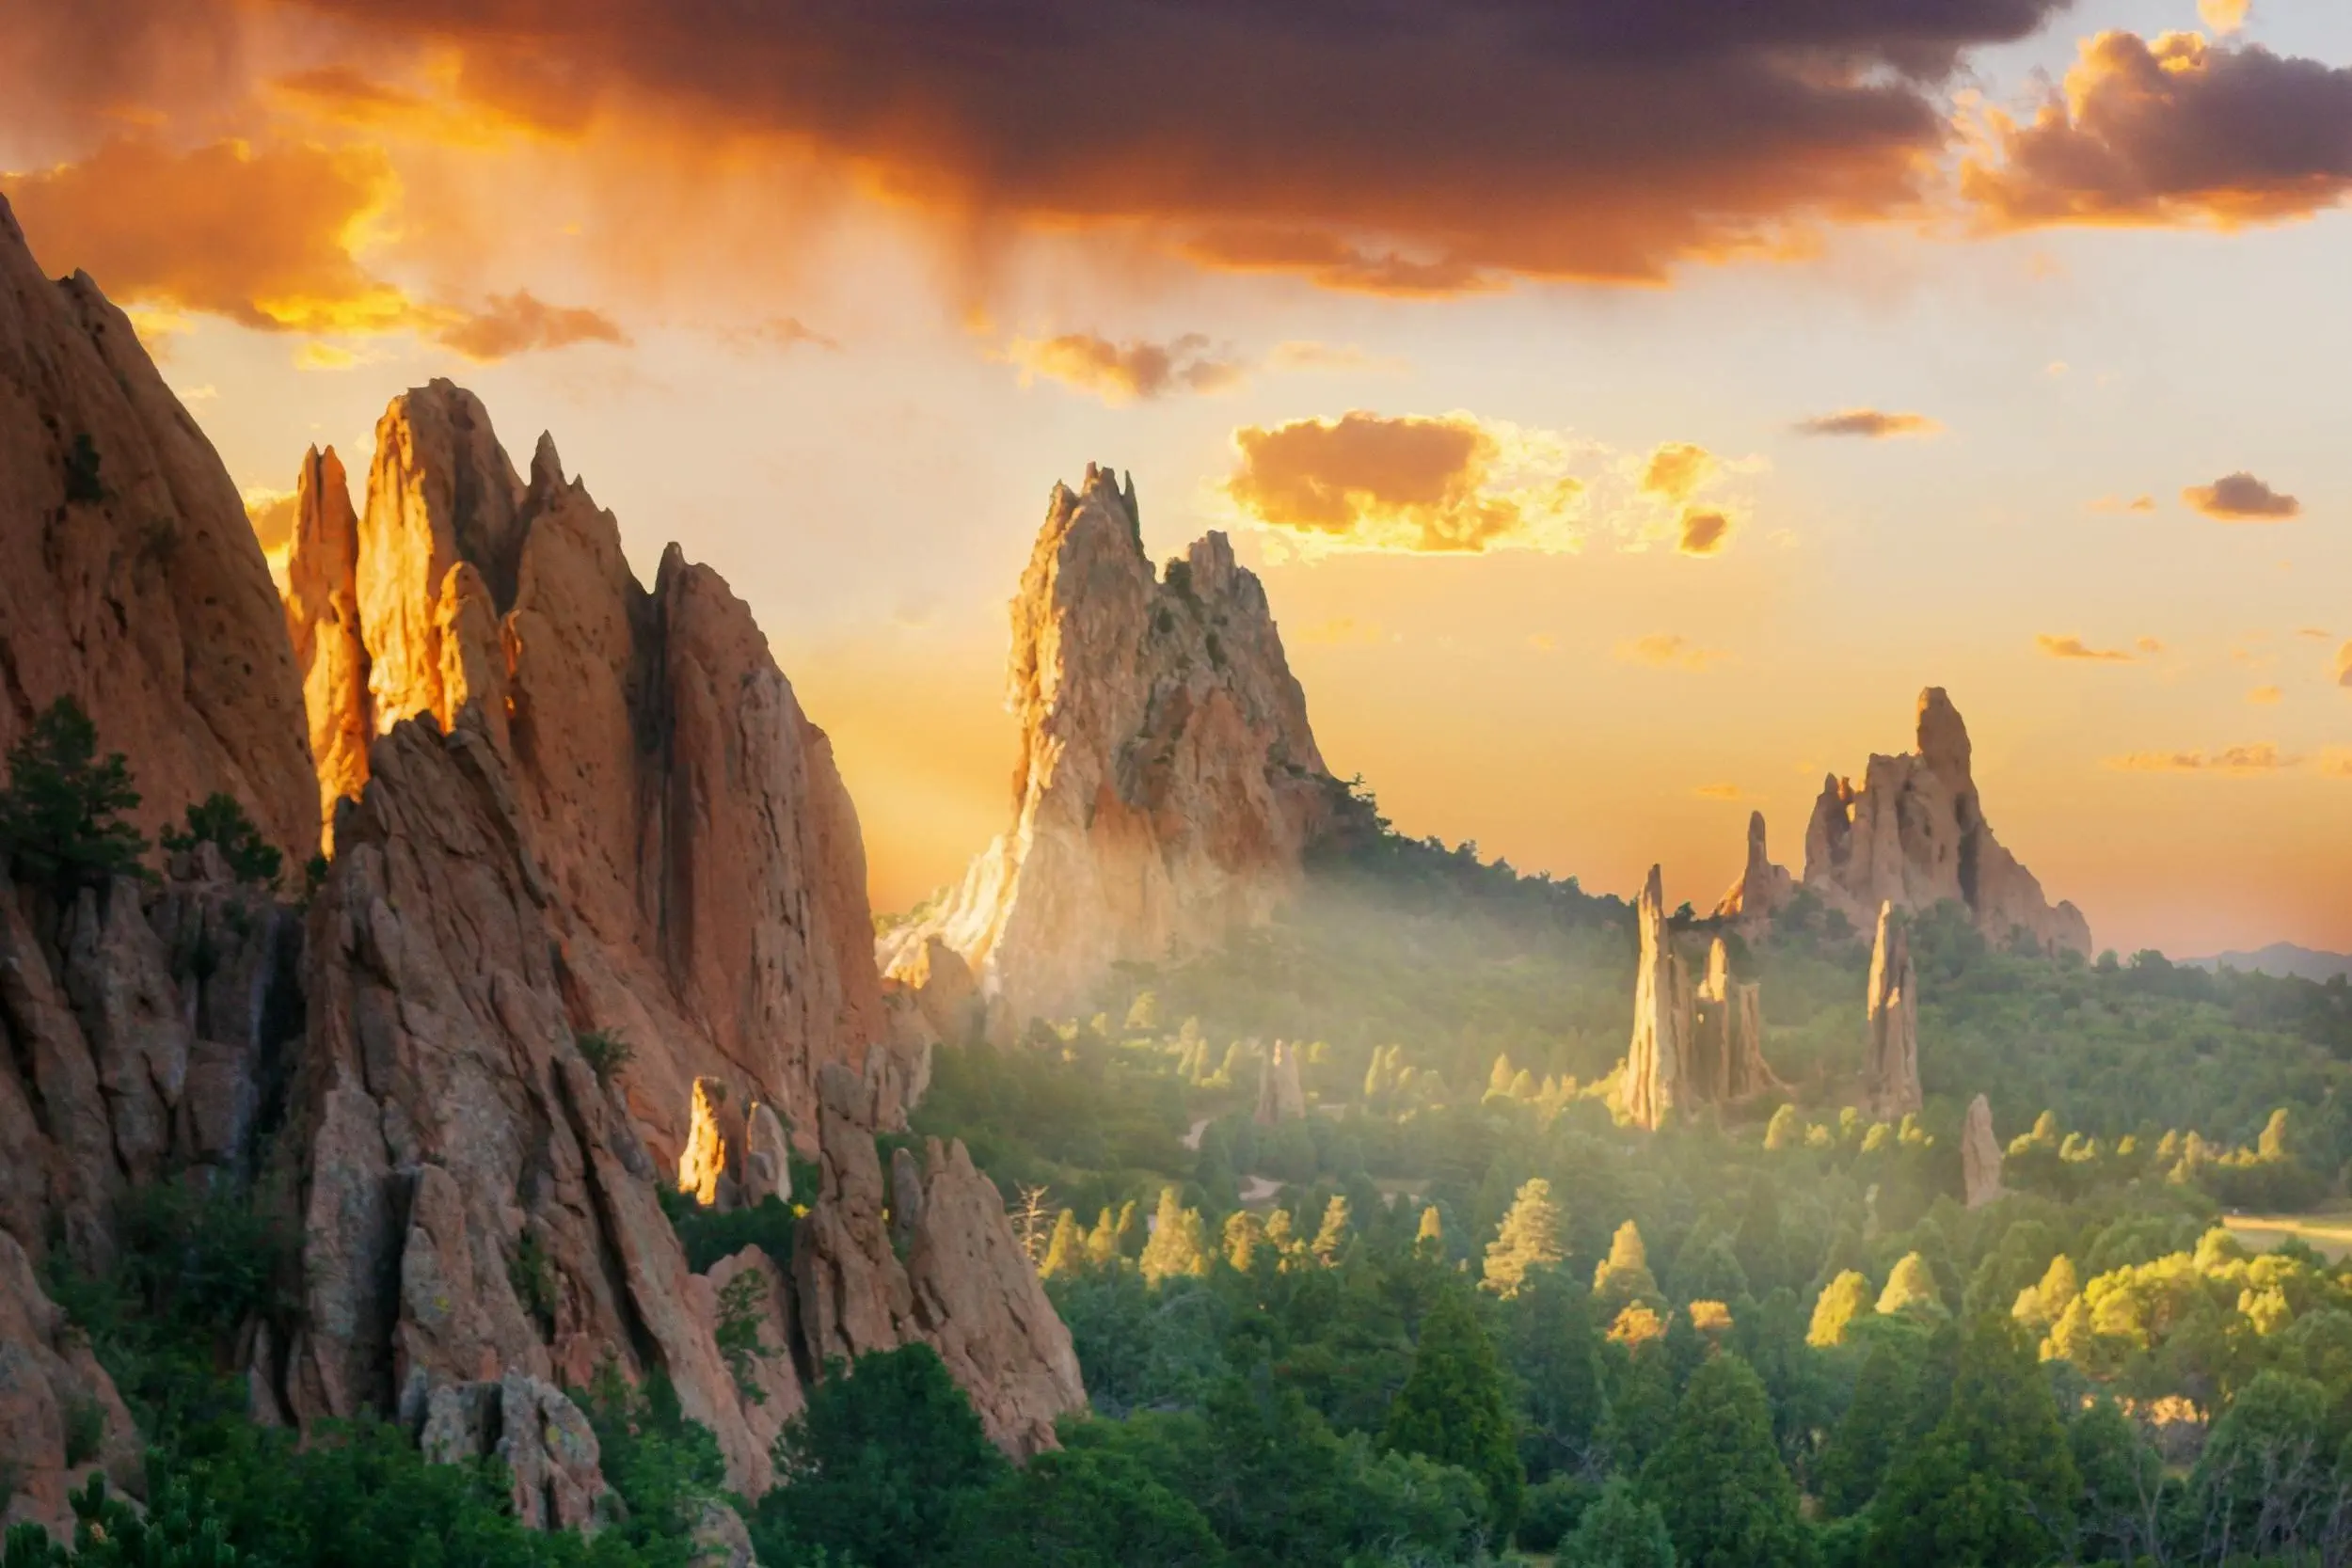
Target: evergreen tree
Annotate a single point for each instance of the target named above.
(1760, 1244)
(1555, 1350)
(1618, 1531)
(1785, 1131)
(1103, 1241)
(1719, 1483)
(1331, 1236)
(2039, 1306)
(1244, 1235)
(1066, 1251)
(1452, 1407)
(1910, 1288)
(1993, 1483)
(1847, 1297)
(1623, 1275)
(1129, 1236)
(1641, 1405)
(1499, 1081)
(1866, 1439)
(1528, 1238)
(62, 813)
(1178, 1244)
(1429, 1242)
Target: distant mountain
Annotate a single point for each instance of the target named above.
(2283, 958)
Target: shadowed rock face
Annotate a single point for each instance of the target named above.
(1890, 1066)
(706, 871)
(130, 579)
(1167, 782)
(1979, 1155)
(1913, 835)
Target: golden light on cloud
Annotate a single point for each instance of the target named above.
(2266, 696)
(1720, 792)
(521, 323)
(1676, 469)
(272, 515)
(1343, 631)
(2075, 648)
(1667, 650)
(2176, 130)
(1123, 372)
(317, 356)
(2223, 16)
(1872, 424)
(2235, 762)
(2240, 497)
(1704, 531)
(2117, 503)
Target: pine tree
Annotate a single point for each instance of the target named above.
(2040, 1306)
(1785, 1131)
(1624, 1277)
(1332, 1235)
(1719, 1483)
(1066, 1254)
(1279, 1236)
(1910, 1288)
(1993, 1482)
(62, 813)
(1452, 1406)
(1846, 1298)
(1618, 1531)
(1555, 1350)
(1244, 1237)
(1178, 1244)
(1499, 1081)
(1129, 1234)
(1528, 1238)
(1866, 1439)
(1760, 1242)
(1429, 1242)
(1103, 1241)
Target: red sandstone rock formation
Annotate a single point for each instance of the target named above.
(1915, 834)
(1167, 782)
(1657, 1064)
(1890, 1066)
(1763, 889)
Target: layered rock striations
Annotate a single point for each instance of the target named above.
(130, 579)
(1168, 782)
(1890, 1065)
(1914, 834)
(706, 867)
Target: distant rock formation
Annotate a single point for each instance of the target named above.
(705, 862)
(1980, 1156)
(1913, 835)
(1279, 1097)
(1728, 1037)
(1657, 1064)
(1763, 889)
(129, 579)
(1167, 782)
(1890, 1068)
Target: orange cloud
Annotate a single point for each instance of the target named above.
(2223, 16)
(1129, 372)
(521, 323)
(2075, 648)
(1720, 792)
(2235, 761)
(1870, 424)
(1407, 482)
(2240, 497)
(780, 332)
(1676, 469)
(1705, 532)
(2266, 696)
(261, 236)
(1667, 650)
(2116, 503)
(272, 515)
(2177, 131)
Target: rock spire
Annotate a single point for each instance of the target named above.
(1890, 1068)
(1979, 1155)
(1728, 1034)
(1279, 1097)
(1763, 889)
(1657, 1064)
(1914, 834)
(1167, 782)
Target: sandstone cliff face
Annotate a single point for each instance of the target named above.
(1657, 1064)
(1979, 1155)
(130, 579)
(1890, 1064)
(1728, 1034)
(706, 872)
(1914, 834)
(1763, 889)
(1167, 781)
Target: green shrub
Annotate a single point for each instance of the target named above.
(605, 1052)
(220, 820)
(532, 1272)
(85, 1430)
(61, 814)
(743, 1307)
(710, 1235)
(82, 484)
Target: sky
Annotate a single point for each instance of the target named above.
(1628, 408)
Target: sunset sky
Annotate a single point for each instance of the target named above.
(1630, 407)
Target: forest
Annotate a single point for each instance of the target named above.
(1450, 1310)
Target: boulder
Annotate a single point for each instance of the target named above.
(1915, 836)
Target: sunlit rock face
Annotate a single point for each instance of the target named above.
(1890, 1066)
(1763, 889)
(706, 871)
(1915, 834)
(1658, 1066)
(1168, 782)
(129, 579)
(1980, 1156)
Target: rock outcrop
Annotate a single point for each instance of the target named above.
(1727, 1035)
(707, 876)
(1980, 1156)
(130, 579)
(965, 1287)
(1915, 836)
(1168, 782)
(1763, 889)
(1890, 1066)
(1280, 1098)
(1657, 1064)
(60, 1418)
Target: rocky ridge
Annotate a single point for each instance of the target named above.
(1168, 782)
(1914, 834)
